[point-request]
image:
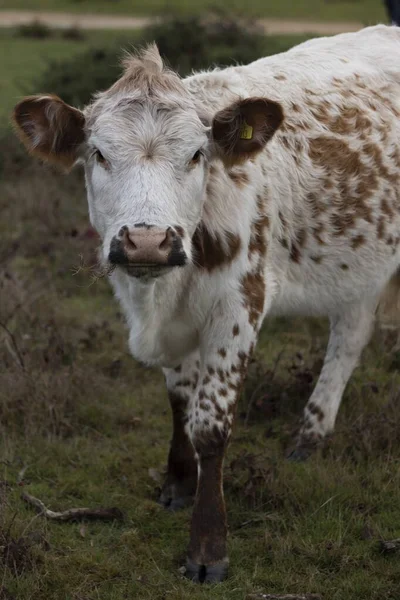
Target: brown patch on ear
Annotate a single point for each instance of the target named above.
(262, 116)
(50, 128)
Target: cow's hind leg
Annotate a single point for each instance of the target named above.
(181, 481)
(349, 333)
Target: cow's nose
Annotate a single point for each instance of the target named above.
(151, 245)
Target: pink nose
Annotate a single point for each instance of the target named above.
(147, 245)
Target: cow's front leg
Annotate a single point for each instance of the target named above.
(181, 481)
(224, 357)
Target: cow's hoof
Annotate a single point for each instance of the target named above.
(176, 496)
(299, 454)
(214, 573)
(305, 447)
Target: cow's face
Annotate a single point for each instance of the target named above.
(146, 169)
(146, 153)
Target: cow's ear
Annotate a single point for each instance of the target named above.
(242, 129)
(50, 128)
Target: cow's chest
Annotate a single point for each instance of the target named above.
(163, 341)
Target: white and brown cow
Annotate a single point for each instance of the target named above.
(227, 196)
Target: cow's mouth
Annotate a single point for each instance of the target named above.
(146, 271)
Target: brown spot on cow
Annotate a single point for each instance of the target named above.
(221, 375)
(299, 242)
(345, 163)
(316, 207)
(212, 250)
(211, 370)
(235, 330)
(205, 406)
(316, 410)
(375, 152)
(223, 391)
(344, 267)
(222, 352)
(342, 222)
(380, 229)
(386, 208)
(295, 253)
(183, 383)
(280, 77)
(258, 242)
(240, 178)
(206, 380)
(320, 228)
(357, 241)
(253, 289)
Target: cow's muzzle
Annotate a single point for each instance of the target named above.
(147, 250)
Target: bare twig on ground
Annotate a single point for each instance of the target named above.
(283, 597)
(13, 346)
(21, 474)
(73, 514)
(390, 546)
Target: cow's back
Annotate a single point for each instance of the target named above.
(331, 172)
(373, 52)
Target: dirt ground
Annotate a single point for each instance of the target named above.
(92, 21)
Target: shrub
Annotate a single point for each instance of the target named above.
(76, 79)
(187, 43)
(35, 29)
(74, 33)
(194, 43)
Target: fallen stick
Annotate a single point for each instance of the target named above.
(389, 546)
(73, 514)
(283, 597)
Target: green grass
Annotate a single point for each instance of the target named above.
(28, 58)
(366, 11)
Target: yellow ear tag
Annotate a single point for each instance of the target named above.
(247, 132)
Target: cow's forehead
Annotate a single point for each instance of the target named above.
(142, 118)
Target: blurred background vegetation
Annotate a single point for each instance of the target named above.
(358, 10)
(82, 424)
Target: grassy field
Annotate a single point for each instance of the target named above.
(366, 11)
(28, 58)
(82, 424)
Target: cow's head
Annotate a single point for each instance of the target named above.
(146, 152)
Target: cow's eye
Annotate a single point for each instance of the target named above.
(99, 157)
(196, 157)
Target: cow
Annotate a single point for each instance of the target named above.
(227, 196)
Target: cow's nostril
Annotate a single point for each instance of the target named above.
(129, 241)
(122, 231)
(167, 241)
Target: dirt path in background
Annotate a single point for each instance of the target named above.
(91, 21)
